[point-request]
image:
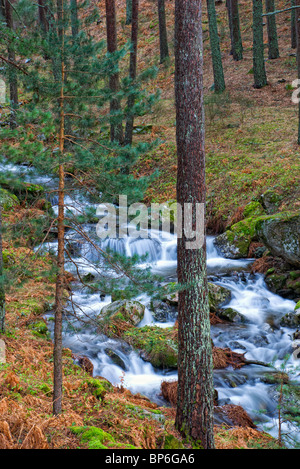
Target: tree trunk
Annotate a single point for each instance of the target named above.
(57, 351)
(163, 36)
(293, 26)
(219, 80)
(132, 70)
(260, 77)
(12, 75)
(228, 6)
(297, 21)
(194, 418)
(2, 290)
(128, 11)
(74, 18)
(237, 46)
(116, 130)
(272, 30)
(43, 17)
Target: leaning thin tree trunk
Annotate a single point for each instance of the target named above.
(2, 290)
(194, 418)
(57, 351)
(260, 77)
(237, 46)
(116, 130)
(13, 81)
(163, 36)
(132, 70)
(219, 81)
(272, 30)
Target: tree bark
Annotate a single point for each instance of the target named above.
(132, 70)
(74, 18)
(128, 11)
(219, 80)
(116, 130)
(237, 46)
(272, 30)
(194, 418)
(163, 36)
(260, 77)
(57, 350)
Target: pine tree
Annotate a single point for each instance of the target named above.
(13, 81)
(260, 77)
(293, 26)
(69, 131)
(235, 31)
(219, 81)
(272, 30)
(194, 418)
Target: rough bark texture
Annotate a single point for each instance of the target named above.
(116, 130)
(260, 77)
(132, 69)
(272, 30)
(219, 80)
(163, 37)
(194, 417)
(237, 46)
(57, 350)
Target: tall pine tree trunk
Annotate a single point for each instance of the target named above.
(132, 70)
(228, 6)
(163, 36)
(219, 80)
(74, 18)
(260, 77)
(272, 30)
(12, 75)
(116, 130)
(237, 46)
(194, 418)
(57, 351)
(2, 290)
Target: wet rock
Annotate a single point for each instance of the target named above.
(217, 296)
(162, 311)
(291, 319)
(115, 358)
(231, 315)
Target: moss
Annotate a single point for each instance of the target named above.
(7, 199)
(93, 436)
(40, 329)
(297, 306)
(253, 209)
(99, 387)
(156, 345)
(172, 443)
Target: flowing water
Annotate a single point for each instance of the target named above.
(260, 338)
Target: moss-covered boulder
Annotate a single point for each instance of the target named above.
(271, 201)
(281, 234)
(234, 243)
(129, 311)
(99, 387)
(253, 209)
(156, 345)
(231, 315)
(7, 199)
(217, 296)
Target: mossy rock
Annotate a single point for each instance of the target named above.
(129, 311)
(271, 201)
(94, 437)
(253, 209)
(99, 387)
(8, 200)
(40, 329)
(156, 345)
(231, 315)
(217, 296)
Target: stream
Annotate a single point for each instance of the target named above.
(260, 338)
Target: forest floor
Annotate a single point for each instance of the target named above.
(251, 146)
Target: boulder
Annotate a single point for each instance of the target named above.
(129, 311)
(217, 296)
(271, 201)
(281, 234)
(8, 200)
